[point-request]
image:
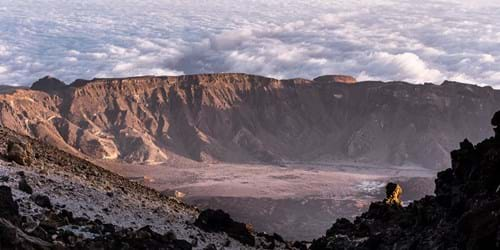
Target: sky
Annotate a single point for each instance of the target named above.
(414, 41)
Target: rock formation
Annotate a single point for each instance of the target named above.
(336, 79)
(464, 213)
(495, 121)
(219, 221)
(247, 118)
(19, 153)
(393, 193)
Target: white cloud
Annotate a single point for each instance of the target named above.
(385, 40)
(406, 66)
(3, 69)
(487, 58)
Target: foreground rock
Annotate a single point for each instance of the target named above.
(8, 208)
(393, 193)
(219, 221)
(78, 205)
(19, 152)
(463, 214)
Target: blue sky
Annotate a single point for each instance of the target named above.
(382, 40)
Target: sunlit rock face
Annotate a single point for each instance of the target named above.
(336, 79)
(249, 118)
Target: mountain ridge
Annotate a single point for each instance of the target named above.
(232, 117)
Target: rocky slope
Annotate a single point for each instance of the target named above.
(464, 213)
(50, 199)
(247, 118)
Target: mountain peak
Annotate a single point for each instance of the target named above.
(48, 83)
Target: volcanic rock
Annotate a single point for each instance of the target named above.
(48, 84)
(393, 192)
(336, 79)
(20, 153)
(219, 221)
(8, 208)
(464, 213)
(246, 118)
(495, 121)
(41, 200)
(24, 186)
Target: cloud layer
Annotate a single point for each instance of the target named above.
(382, 40)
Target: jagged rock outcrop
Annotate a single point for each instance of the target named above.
(393, 192)
(495, 121)
(219, 221)
(248, 118)
(464, 213)
(8, 208)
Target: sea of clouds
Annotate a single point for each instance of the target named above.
(415, 41)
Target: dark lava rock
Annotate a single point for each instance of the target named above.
(219, 221)
(24, 186)
(143, 238)
(495, 121)
(18, 152)
(12, 237)
(210, 247)
(464, 213)
(8, 207)
(41, 200)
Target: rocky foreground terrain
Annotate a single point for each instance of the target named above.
(50, 199)
(464, 213)
(240, 118)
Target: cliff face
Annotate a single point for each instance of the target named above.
(463, 214)
(246, 118)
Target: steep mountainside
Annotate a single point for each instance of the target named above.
(50, 199)
(464, 213)
(247, 118)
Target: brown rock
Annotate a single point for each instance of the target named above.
(248, 118)
(20, 153)
(393, 194)
(336, 79)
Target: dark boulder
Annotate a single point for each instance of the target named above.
(210, 247)
(41, 200)
(495, 121)
(8, 207)
(219, 221)
(24, 186)
(12, 237)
